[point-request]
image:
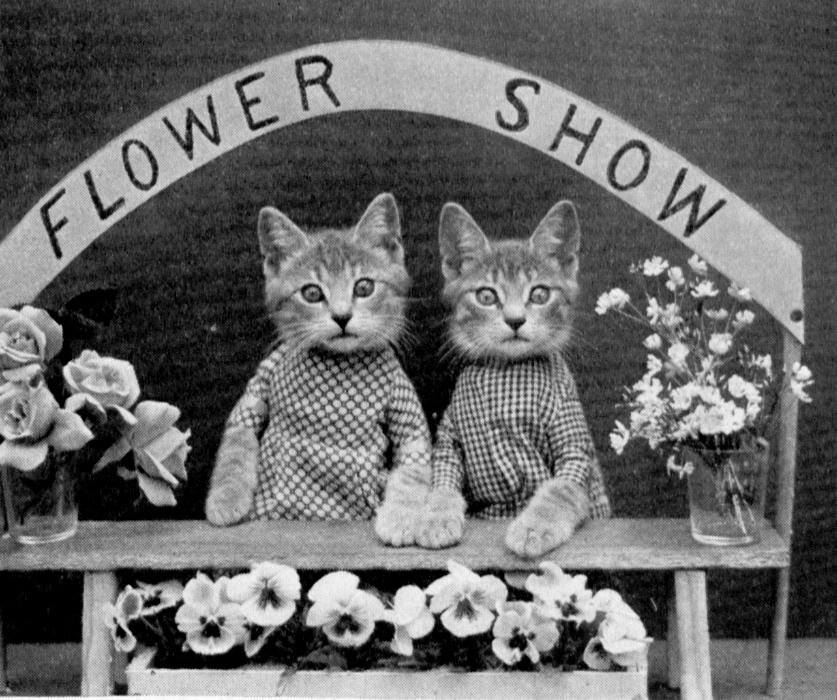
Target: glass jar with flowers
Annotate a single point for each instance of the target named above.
(44, 448)
(706, 398)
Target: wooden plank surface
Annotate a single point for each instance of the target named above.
(627, 544)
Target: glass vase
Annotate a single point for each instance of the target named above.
(727, 492)
(41, 504)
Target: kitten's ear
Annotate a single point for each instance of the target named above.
(279, 237)
(558, 236)
(461, 241)
(380, 227)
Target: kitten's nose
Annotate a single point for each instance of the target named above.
(342, 320)
(515, 323)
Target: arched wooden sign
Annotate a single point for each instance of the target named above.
(390, 75)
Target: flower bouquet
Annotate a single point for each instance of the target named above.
(706, 398)
(45, 447)
(461, 621)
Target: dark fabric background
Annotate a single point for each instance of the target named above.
(744, 90)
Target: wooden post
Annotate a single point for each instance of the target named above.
(693, 635)
(96, 644)
(4, 679)
(785, 484)
(672, 645)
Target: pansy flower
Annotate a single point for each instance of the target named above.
(621, 637)
(466, 600)
(212, 624)
(410, 617)
(267, 594)
(346, 614)
(255, 637)
(519, 631)
(159, 596)
(561, 596)
(128, 607)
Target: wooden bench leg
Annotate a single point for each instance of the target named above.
(693, 635)
(4, 677)
(778, 637)
(672, 645)
(96, 644)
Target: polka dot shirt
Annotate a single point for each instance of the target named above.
(329, 425)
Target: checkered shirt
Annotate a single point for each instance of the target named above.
(327, 425)
(508, 429)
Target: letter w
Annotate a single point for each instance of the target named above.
(694, 198)
(187, 140)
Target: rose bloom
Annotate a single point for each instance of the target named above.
(110, 381)
(27, 337)
(160, 450)
(31, 422)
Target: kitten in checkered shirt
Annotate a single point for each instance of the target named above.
(514, 441)
(311, 436)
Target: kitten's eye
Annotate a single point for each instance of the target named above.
(486, 296)
(312, 293)
(540, 295)
(364, 287)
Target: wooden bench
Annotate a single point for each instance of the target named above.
(101, 550)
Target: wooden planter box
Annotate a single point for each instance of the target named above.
(262, 681)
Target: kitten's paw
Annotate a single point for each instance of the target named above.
(528, 538)
(395, 526)
(443, 522)
(440, 531)
(228, 504)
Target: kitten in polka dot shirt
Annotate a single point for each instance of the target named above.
(330, 426)
(514, 441)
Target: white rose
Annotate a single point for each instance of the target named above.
(110, 381)
(27, 337)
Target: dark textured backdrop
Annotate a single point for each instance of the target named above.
(744, 90)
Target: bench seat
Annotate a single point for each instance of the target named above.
(615, 544)
(102, 549)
